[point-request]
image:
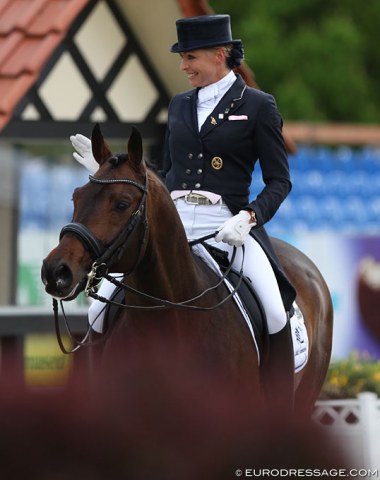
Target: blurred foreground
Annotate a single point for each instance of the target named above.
(155, 418)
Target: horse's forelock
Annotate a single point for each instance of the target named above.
(118, 159)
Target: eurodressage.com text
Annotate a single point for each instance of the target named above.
(305, 472)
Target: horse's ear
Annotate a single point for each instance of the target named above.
(100, 148)
(135, 149)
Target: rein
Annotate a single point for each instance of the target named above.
(78, 343)
(162, 304)
(184, 305)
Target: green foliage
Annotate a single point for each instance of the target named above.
(346, 378)
(319, 59)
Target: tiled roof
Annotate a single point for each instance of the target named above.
(30, 30)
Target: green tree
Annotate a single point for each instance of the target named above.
(319, 59)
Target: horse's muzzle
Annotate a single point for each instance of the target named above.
(58, 279)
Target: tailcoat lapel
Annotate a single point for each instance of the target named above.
(232, 100)
(190, 110)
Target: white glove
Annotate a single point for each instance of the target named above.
(236, 229)
(82, 145)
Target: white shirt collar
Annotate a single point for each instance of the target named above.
(215, 91)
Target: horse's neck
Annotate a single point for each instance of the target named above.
(168, 269)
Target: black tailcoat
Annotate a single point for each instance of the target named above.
(245, 127)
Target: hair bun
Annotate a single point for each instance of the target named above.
(236, 55)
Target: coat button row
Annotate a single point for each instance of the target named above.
(197, 185)
(188, 171)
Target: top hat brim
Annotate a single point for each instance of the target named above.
(177, 48)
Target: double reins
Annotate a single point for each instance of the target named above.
(160, 303)
(105, 257)
(167, 304)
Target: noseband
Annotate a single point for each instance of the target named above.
(104, 257)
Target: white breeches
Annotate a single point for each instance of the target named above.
(201, 220)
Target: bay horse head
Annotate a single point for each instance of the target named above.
(109, 217)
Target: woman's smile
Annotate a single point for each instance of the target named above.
(203, 67)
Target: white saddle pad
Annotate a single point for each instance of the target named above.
(299, 333)
(300, 339)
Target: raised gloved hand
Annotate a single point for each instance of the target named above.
(82, 145)
(235, 230)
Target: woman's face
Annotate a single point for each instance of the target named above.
(204, 66)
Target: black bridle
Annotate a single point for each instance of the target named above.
(105, 257)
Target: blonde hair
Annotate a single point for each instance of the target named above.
(234, 54)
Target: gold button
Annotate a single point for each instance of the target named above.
(217, 163)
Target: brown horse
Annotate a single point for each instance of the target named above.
(125, 220)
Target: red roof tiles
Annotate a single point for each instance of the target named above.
(30, 31)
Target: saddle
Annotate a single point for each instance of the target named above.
(247, 296)
(254, 313)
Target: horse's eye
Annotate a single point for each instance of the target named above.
(121, 206)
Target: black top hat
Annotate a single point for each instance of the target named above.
(202, 32)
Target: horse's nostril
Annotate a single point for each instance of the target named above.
(56, 277)
(63, 277)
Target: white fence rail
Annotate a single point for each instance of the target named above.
(355, 424)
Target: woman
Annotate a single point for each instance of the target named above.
(216, 133)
